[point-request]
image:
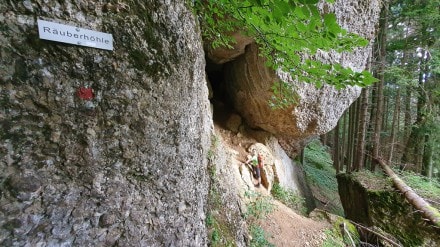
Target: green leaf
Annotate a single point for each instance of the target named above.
(331, 23)
(285, 7)
(368, 78)
(315, 12)
(306, 11)
(308, 1)
(301, 27)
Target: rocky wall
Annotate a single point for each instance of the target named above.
(98, 147)
(249, 82)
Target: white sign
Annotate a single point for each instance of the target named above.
(74, 35)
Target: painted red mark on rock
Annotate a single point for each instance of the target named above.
(85, 93)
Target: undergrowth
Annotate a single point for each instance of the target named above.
(259, 238)
(343, 233)
(258, 208)
(289, 198)
(424, 186)
(317, 154)
(320, 173)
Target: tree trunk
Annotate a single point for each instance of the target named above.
(386, 110)
(381, 51)
(370, 130)
(394, 126)
(336, 148)
(408, 121)
(414, 148)
(427, 158)
(362, 129)
(302, 156)
(351, 137)
(324, 138)
(419, 203)
(344, 141)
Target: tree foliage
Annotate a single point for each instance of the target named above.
(410, 130)
(413, 48)
(289, 33)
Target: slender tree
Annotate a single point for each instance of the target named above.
(362, 129)
(407, 113)
(344, 145)
(380, 72)
(394, 126)
(415, 146)
(370, 128)
(336, 148)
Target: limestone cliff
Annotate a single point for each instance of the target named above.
(249, 81)
(121, 165)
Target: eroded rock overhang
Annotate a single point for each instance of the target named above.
(248, 81)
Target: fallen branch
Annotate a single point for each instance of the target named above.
(419, 203)
(348, 233)
(392, 242)
(376, 233)
(432, 201)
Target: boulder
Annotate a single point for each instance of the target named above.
(230, 181)
(249, 81)
(288, 173)
(233, 122)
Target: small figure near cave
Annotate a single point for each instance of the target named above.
(259, 168)
(256, 162)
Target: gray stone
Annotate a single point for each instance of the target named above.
(19, 183)
(233, 123)
(107, 220)
(94, 172)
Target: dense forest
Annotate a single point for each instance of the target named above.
(397, 119)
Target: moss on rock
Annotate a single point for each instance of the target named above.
(373, 197)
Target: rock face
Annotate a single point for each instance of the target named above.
(374, 202)
(225, 195)
(249, 81)
(289, 174)
(222, 55)
(103, 148)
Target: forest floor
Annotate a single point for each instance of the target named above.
(284, 227)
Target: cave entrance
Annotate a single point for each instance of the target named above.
(221, 101)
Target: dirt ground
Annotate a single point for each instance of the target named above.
(286, 228)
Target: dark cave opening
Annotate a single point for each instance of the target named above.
(220, 99)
